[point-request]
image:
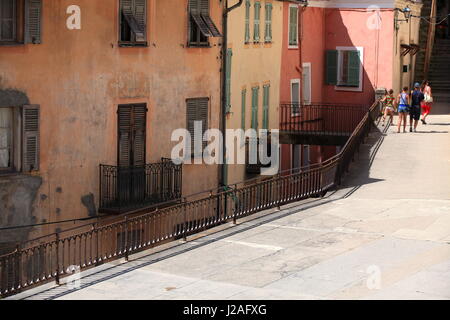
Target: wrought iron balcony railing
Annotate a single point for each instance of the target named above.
(127, 188)
(320, 118)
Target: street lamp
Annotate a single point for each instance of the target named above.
(406, 12)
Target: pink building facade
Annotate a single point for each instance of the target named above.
(347, 50)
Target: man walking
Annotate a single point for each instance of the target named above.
(417, 97)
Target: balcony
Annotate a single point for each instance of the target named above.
(319, 123)
(125, 189)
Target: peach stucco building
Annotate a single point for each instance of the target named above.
(109, 81)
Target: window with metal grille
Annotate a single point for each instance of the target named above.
(133, 23)
(201, 26)
(20, 22)
(197, 111)
(19, 139)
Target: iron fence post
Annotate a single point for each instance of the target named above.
(126, 238)
(185, 220)
(278, 179)
(19, 266)
(235, 205)
(57, 259)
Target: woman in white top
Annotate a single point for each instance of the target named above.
(428, 102)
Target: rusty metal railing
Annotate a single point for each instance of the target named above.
(55, 258)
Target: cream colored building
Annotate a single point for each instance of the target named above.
(254, 50)
(406, 33)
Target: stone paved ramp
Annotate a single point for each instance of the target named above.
(384, 235)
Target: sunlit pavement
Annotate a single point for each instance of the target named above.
(384, 235)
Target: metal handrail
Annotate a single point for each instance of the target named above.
(53, 259)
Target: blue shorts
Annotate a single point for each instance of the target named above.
(403, 108)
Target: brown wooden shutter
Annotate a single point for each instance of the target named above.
(191, 116)
(132, 122)
(124, 132)
(194, 6)
(30, 138)
(33, 9)
(140, 12)
(139, 134)
(204, 7)
(197, 110)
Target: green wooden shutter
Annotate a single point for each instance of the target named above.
(228, 80)
(33, 9)
(266, 90)
(124, 132)
(293, 27)
(243, 102)
(268, 30)
(256, 21)
(247, 21)
(30, 138)
(331, 67)
(354, 63)
(255, 94)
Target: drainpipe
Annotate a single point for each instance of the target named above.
(223, 122)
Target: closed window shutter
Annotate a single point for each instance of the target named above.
(243, 102)
(203, 115)
(353, 68)
(331, 68)
(247, 21)
(266, 107)
(306, 85)
(132, 122)
(197, 110)
(255, 93)
(268, 30)
(33, 9)
(293, 13)
(139, 134)
(256, 22)
(30, 136)
(124, 114)
(191, 116)
(228, 80)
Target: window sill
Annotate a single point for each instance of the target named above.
(123, 44)
(190, 45)
(15, 174)
(11, 43)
